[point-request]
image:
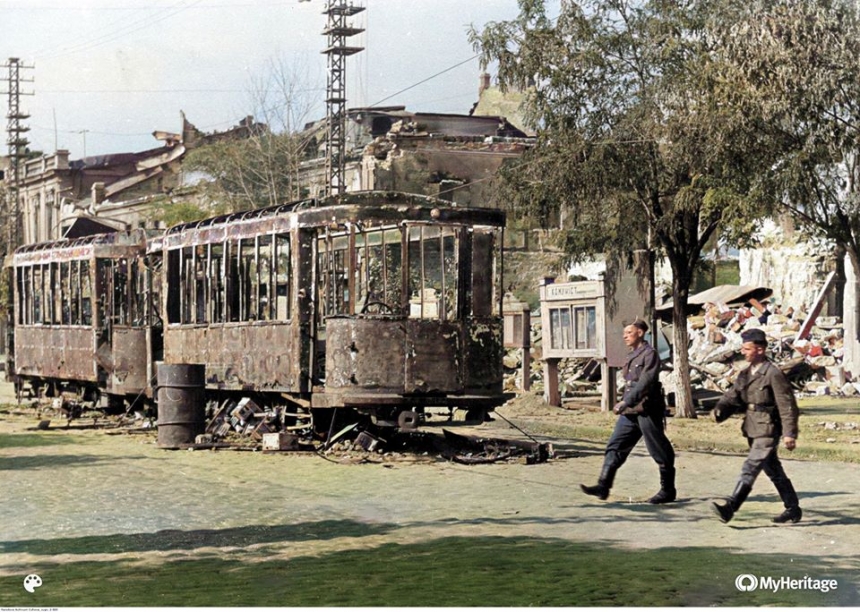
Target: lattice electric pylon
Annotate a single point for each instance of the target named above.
(337, 32)
(17, 143)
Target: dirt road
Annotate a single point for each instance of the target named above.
(72, 484)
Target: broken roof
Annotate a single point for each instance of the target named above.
(730, 295)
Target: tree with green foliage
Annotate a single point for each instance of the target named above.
(794, 70)
(635, 148)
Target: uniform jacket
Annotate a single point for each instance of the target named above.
(774, 410)
(642, 389)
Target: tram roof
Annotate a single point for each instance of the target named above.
(312, 208)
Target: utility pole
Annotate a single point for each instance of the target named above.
(337, 31)
(84, 133)
(17, 144)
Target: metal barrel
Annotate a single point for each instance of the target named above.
(181, 403)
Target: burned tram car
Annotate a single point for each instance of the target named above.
(85, 318)
(375, 303)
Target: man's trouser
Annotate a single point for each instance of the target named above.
(763, 457)
(629, 429)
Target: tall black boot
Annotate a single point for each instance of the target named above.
(667, 492)
(604, 483)
(788, 495)
(727, 511)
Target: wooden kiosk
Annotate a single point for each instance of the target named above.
(586, 319)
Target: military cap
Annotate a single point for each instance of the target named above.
(756, 336)
(640, 324)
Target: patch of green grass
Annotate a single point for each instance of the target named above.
(829, 405)
(46, 438)
(816, 442)
(489, 571)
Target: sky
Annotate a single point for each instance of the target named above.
(108, 73)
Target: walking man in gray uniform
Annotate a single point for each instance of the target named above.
(641, 414)
(764, 394)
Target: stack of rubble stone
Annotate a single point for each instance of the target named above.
(813, 363)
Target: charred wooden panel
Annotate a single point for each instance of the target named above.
(55, 352)
(130, 371)
(365, 354)
(260, 357)
(483, 356)
(392, 355)
(433, 357)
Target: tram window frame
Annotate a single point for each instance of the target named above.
(66, 292)
(333, 265)
(75, 298)
(377, 268)
(262, 287)
(23, 296)
(174, 288)
(282, 269)
(37, 288)
(86, 280)
(217, 306)
(57, 291)
(200, 284)
(434, 279)
(240, 280)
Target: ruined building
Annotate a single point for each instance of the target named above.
(63, 197)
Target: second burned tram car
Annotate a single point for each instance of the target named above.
(378, 302)
(85, 318)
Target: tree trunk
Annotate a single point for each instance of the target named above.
(851, 311)
(680, 354)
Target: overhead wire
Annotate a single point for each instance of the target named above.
(121, 32)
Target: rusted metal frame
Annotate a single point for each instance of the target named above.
(49, 294)
(404, 268)
(423, 275)
(304, 258)
(208, 311)
(278, 243)
(482, 248)
(75, 292)
(182, 282)
(243, 279)
(28, 294)
(443, 306)
(364, 235)
(464, 268)
(228, 279)
(266, 311)
(327, 264)
(219, 303)
(392, 214)
(87, 278)
(384, 268)
(352, 263)
(255, 282)
(500, 273)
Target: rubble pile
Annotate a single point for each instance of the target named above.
(813, 362)
(576, 376)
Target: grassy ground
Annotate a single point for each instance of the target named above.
(488, 571)
(829, 429)
(234, 567)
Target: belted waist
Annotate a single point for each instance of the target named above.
(759, 408)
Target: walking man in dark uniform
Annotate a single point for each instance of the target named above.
(641, 414)
(764, 394)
